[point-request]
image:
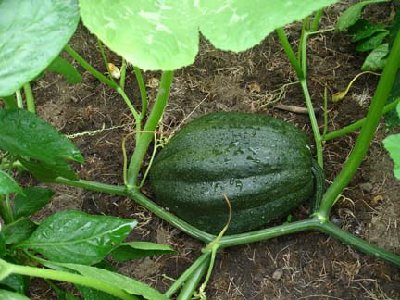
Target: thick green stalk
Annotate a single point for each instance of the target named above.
(99, 76)
(359, 244)
(367, 131)
(185, 276)
(193, 281)
(170, 218)
(269, 233)
(94, 186)
(69, 277)
(30, 101)
(149, 128)
(356, 125)
(18, 95)
(290, 53)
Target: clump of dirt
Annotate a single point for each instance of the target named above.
(301, 266)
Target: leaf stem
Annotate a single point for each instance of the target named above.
(99, 76)
(150, 127)
(70, 277)
(142, 89)
(122, 79)
(356, 125)
(317, 20)
(5, 209)
(290, 53)
(94, 186)
(367, 131)
(183, 279)
(30, 101)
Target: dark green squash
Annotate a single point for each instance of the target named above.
(262, 164)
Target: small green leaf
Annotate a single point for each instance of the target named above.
(134, 250)
(32, 38)
(376, 59)
(49, 172)
(19, 231)
(364, 29)
(8, 185)
(6, 295)
(32, 200)
(16, 282)
(372, 42)
(25, 134)
(74, 236)
(351, 15)
(63, 67)
(392, 145)
(127, 284)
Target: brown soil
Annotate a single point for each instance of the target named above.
(301, 266)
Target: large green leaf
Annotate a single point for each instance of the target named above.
(74, 236)
(376, 59)
(153, 34)
(127, 284)
(8, 185)
(33, 199)
(238, 25)
(32, 34)
(6, 295)
(134, 250)
(149, 34)
(25, 134)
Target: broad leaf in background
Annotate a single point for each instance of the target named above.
(32, 200)
(376, 59)
(134, 250)
(392, 145)
(351, 15)
(372, 42)
(64, 68)
(127, 284)
(32, 34)
(46, 172)
(6, 295)
(8, 185)
(18, 231)
(166, 33)
(25, 134)
(74, 236)
(15, 282)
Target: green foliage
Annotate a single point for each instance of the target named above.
(6, 295)
(18, 231)
(134, 250)
(64, 67)
(166, 34)
(127, 284)
(44, 155)
(15, 282)
(353, 14)
(32, 38)
(8, 185)
(392, 145)
(73, 236)
(32, 200)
